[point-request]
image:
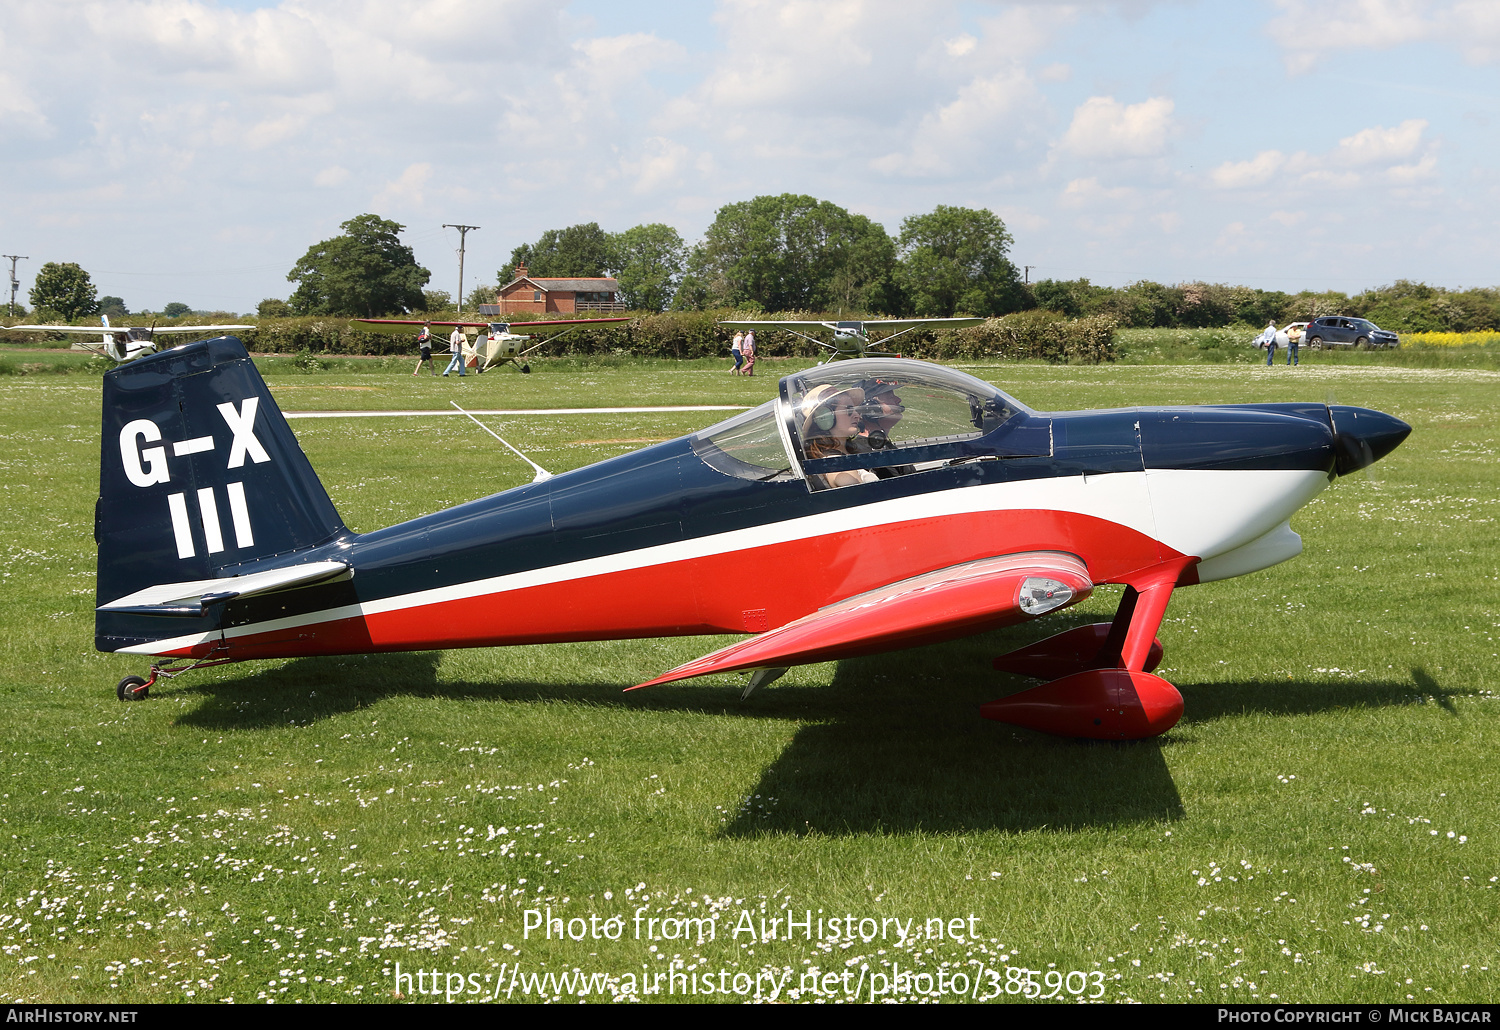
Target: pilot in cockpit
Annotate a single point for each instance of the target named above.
(882, 410)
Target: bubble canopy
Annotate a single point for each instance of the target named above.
(857, 421)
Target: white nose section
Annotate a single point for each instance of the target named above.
(1261, 553)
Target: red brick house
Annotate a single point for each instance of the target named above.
(563, 296)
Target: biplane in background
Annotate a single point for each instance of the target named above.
(496, 345)
(869, 506)
(126, 343)
(851, 339)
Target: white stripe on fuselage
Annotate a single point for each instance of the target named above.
(1202, 498)
(416, 412)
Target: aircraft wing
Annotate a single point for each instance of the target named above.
(92, 330)
(806, 327)
(566, 321)
(105, 330)
(912, 323)
(476, 325)
(943, 605)
(417, 321)
(189, 328)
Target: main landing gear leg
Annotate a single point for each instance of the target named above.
(1106, 690)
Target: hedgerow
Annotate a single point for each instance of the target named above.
(1033, 335)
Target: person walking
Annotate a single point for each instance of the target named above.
(735, 348)
(424, 349)
(456, 342)
(747, 348)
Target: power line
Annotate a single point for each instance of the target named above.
(15, 283)
(463, 231)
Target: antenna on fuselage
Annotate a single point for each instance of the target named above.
(542, 475)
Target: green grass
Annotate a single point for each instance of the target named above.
(1232, 346)
(294, 829)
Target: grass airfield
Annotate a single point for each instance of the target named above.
(1321, 826)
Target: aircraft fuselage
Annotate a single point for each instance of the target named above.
(659, 542)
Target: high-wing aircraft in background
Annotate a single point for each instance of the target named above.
(497, 345)
(852, 339)
(871, 505)
(126, 343)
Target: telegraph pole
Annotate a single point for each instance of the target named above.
(1028, 273)
(463, 231)
(15, 283)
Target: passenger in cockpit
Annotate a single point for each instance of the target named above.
(832, 423)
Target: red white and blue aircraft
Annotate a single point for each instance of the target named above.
(871, 505)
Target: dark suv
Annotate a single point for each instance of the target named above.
(1342, 331)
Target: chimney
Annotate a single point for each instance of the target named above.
(521, 270)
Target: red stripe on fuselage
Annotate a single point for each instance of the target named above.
(737, 591)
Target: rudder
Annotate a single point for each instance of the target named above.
(200, 478)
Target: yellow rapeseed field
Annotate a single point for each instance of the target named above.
(1483, 338)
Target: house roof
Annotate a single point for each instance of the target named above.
(591, 285)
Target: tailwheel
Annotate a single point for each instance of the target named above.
(526, 369)
(132, 688)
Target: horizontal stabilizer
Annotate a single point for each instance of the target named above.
(191, 598)
(942, 605)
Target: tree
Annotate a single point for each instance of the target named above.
(1066, 297)
(436, 301)
(577, 252)
(271, 307)
(647, 260)
(954, 260)
(175, 309)
(791, 252)
(64, 289)
(114, 307)
(365, 272)
(480, 295)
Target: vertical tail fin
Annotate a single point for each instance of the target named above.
(200, 478)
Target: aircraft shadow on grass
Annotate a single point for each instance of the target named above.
(893, 744)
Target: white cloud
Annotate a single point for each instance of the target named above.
(961, 45)
(1088, 192)
(18, 108)
(1378, 144)
(1376, 149)
(1255, 172)
(407, 190)
(947, 136)
(1308, 30)
(1232, 237)
(186, 118)
(903, 89)
(1407, 174)
(661, 164)
(1105, 129)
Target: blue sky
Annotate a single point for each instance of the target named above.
(192, 150)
